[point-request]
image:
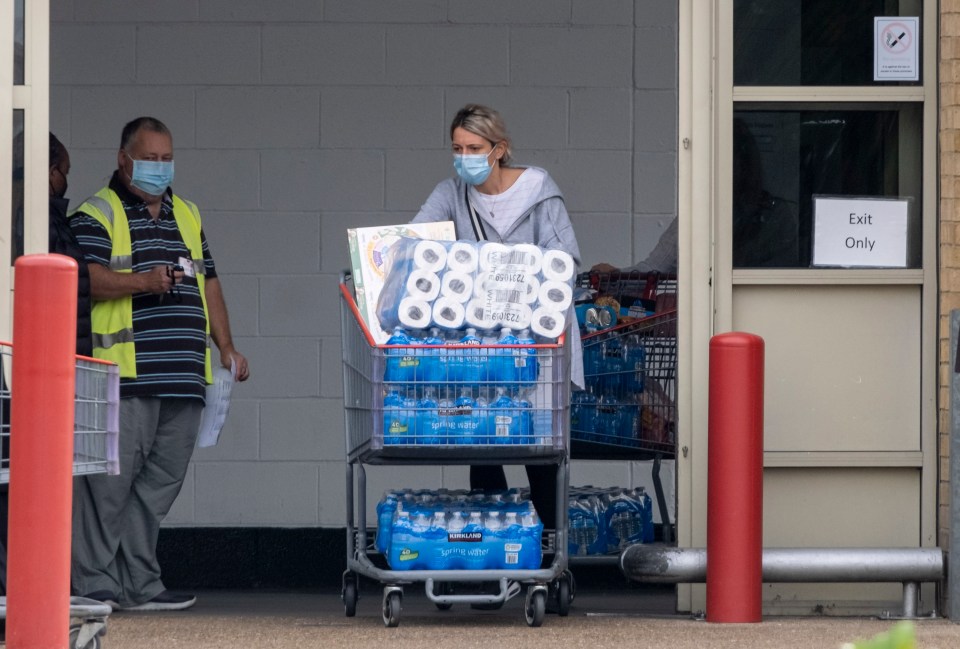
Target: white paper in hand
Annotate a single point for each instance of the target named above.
(218, 405)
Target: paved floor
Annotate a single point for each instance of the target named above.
(223, 619)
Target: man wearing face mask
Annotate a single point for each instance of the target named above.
(64, 242)
(156, 302)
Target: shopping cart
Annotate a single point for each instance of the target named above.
(95, 439)
(629, 409)
(378, 434)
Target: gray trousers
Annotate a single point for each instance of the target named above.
(116, 519)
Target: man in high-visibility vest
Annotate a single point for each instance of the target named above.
(157, 303)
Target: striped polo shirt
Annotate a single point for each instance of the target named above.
(169, 330)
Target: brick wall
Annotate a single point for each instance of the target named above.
(949, 142)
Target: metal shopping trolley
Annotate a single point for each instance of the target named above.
(95, 439)
(629, 410)
(530, 431)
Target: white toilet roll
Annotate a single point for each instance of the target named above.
(492, 255)
(547, 323)
(414, 313)
(463, 257)
(430, 256)
(531, 291)
(423, 285)
(448, 313)
(508, 314)
(477, 317)
(558, 266)
(530, 255)
(556, 296)
(457, 285)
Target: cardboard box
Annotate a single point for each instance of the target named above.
(368, 253)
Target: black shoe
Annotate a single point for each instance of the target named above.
(104, 597)
(165, 601)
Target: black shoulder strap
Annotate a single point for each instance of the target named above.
(478, 231)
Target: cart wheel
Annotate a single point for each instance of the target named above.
(535, 607)
(563, 596)
(444, 588)
(391, 609)
(93, 643)
(350, 596)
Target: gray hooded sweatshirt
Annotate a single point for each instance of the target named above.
(545, 224)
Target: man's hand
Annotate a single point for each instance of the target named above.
(160, 279)
(232, 356)
(604, 268)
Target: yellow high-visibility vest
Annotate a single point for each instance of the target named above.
(112, 320)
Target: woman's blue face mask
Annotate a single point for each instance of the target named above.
(152, 176)
(473, 168)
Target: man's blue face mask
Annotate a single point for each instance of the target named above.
(473, 168)
(152, 176)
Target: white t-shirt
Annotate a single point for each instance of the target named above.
(503, 210)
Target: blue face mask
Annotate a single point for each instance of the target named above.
(152, 176)
(473, 168)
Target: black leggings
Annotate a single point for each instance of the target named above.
(543, 487)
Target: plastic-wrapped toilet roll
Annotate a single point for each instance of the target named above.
(547, 323)
(556, 296)
(493, 254)
(414, 313)
(463, 257)
(456, 284)
(509, 314)
(525, 292)
(558, 266)
(476, 316)
(423, 285)
(531, 255)
(448, 313)
(430, 256)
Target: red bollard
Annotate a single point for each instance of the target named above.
(41, 451)
(735, 479)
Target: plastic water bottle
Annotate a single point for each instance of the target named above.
(634, 358)
(447, 412)
(386, 510)
(436, 542)
(583, 529)
(467, 419)
(476, 554)
(525, 422)
(401, 363)
(527, 364)
(622, 521)
(395, 419)
(493, 540)
(608, 419)
(645, 505)
(612, 366)
(504, 418)
(583, 415)
(531, 533)
(470, 370)
(510, 536)
(433, 366)
(629, 420)
(592, 361)
(506, 370)
(429, 425)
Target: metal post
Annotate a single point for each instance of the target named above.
(41, 451)
(735, 479)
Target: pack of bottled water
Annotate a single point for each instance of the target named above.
(458, 530)
(608, 410)
(476, 390)
(602, 521)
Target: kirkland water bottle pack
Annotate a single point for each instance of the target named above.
(457, 530)
(480, 285)
(601, 521)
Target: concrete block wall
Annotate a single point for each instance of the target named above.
(294, 120)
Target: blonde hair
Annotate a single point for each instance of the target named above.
(485, 122)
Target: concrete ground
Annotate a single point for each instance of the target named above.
(597, 619)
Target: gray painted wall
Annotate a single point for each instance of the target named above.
(294, 120)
